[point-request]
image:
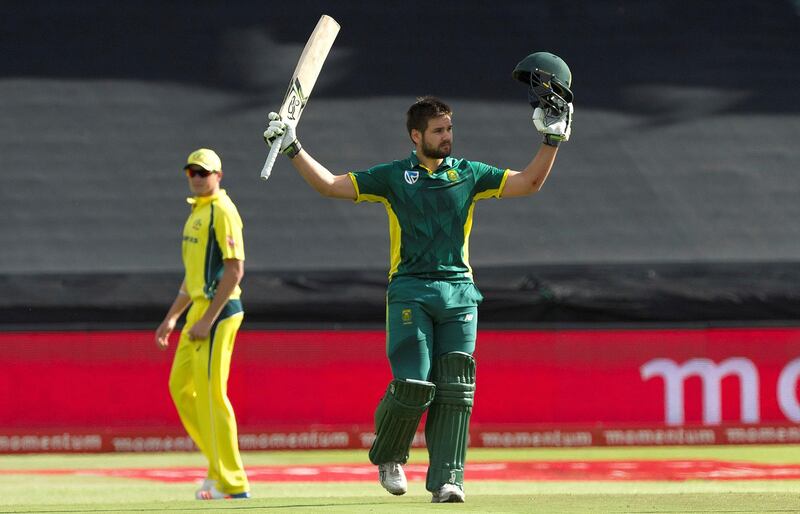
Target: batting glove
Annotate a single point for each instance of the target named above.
(555, 127)
(290, 146)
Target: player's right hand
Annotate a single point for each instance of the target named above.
(289, 145)
(162, 333)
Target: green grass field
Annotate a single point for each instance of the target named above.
(71, 493)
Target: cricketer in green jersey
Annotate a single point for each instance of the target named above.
(432, 302)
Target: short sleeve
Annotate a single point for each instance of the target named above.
(372, 185)
(228, 230)
(489, 181)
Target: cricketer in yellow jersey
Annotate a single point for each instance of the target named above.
(213, 258)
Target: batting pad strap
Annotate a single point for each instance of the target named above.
(455, 394)
(397, 418)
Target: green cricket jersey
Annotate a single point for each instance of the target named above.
(430, 212)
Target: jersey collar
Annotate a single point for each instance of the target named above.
(448, 162)
(202, 200)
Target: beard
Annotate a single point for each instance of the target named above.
(438, 152)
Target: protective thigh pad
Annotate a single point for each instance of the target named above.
(447, 427)
(397, 418)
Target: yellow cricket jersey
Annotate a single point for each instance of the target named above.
(212, 234)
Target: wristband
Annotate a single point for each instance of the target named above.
(293, 149)
(549, 140)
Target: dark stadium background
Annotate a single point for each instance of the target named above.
(675, 201)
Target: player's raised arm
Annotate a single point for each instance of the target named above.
(317, 175)
(532, 178)
(554, 130)
(549, 80)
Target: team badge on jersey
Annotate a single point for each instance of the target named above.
(406, 315)
(452, 175)
(411, 176)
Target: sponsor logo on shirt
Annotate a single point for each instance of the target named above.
(231, 241)
(411, 176)
(197, 224)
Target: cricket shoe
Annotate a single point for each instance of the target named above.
(448, 493)
(212, 493)
(392, 478)
(206, 485)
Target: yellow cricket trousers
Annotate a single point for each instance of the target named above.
(198, 383)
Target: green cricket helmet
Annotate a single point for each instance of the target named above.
(548, 79)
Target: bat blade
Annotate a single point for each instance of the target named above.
(304, 78)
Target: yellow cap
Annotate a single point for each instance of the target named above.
(206, 159)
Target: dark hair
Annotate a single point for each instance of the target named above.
(423, 110)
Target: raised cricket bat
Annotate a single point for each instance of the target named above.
(303, 80)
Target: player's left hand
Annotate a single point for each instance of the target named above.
(290, 146)
(200, 330)
(554, 126)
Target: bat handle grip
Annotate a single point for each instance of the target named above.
(273, 154)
